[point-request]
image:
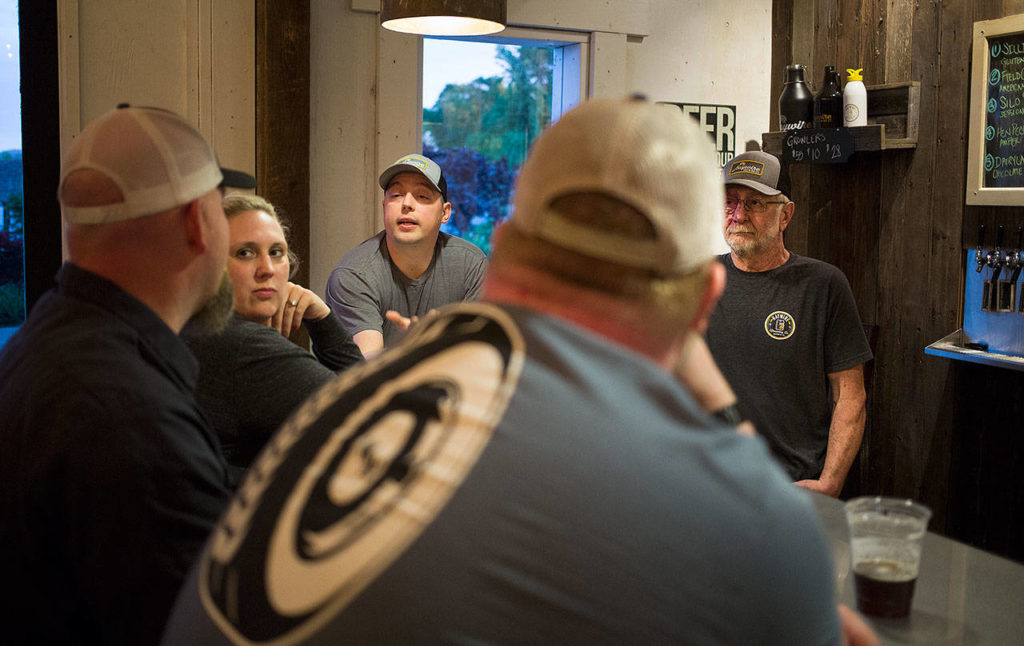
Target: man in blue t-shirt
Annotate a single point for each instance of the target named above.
(786, 332)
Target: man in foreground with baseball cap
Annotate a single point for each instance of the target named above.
(409, 268)
(526, 470)
(786, 333)
(110, 478)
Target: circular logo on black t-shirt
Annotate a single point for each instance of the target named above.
(356, 475)
(779, 325)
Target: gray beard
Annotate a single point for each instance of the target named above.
(215, 313)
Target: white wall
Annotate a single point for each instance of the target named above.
(195, 57)
(709, 51)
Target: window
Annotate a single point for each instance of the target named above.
(484, 103)
(12, 212)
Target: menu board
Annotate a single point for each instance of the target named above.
(995, 127)
(1004, 113)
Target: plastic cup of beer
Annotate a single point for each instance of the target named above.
(885, 552)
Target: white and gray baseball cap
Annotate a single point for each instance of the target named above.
(650, 156)
(417, 164)
(155, 158)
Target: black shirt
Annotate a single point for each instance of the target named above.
(110, 478)
(251, 378)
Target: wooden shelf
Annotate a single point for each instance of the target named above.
(893, 118)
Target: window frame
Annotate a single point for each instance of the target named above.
(570, 69)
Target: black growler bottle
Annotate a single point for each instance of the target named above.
(796, 104)
(828, 104)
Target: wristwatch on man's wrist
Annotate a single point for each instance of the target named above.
(729, 414)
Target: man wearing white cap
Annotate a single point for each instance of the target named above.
(786, 333)
(527, 470)
(409, 268)
(110, 478)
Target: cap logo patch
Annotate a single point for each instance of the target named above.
(779, 325)
(747, 166)
(413, 160)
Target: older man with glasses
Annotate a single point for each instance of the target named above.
(786, 332)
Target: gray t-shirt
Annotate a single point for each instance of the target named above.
(776, 335)
(505, 477)
(366, 283)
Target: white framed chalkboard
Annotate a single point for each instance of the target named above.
(995, 152)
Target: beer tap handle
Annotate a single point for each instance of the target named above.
(1019, 253)
(979, 255)
(1000, 257)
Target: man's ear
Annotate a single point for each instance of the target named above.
(787, 214)
(447, 209)
(709, 298)
(195, 232)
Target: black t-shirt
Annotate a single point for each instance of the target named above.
(251, 378)
(776, 336)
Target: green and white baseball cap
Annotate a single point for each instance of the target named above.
(417, 164)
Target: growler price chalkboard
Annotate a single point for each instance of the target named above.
(995, 164)
(817, 145)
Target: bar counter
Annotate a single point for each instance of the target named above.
(963, 595)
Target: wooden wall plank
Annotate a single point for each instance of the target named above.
(944, 258)
(899, 15)
(282, 118)
(782, 53)
(910, 287)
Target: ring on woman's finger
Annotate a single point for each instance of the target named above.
(293, 303)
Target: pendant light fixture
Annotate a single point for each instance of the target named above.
(443, 17)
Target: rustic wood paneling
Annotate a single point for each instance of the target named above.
(895, 223)
(989, 449)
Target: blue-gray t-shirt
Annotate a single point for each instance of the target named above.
(505, 477)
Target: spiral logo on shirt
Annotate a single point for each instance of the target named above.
(356, 475)
(779, 325)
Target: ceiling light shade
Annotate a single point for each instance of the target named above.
(444, 17)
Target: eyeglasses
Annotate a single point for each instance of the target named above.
(750, 205)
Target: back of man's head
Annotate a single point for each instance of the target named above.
(620, 196)
(138, 191)
(132, 162)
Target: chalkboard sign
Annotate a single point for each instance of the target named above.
(1004, 113)
(817, 145)
(995, 162)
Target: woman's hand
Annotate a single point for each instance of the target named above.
(299, 303)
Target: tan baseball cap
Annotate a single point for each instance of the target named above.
(650, 156)
(758, 170)
(156, 159)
